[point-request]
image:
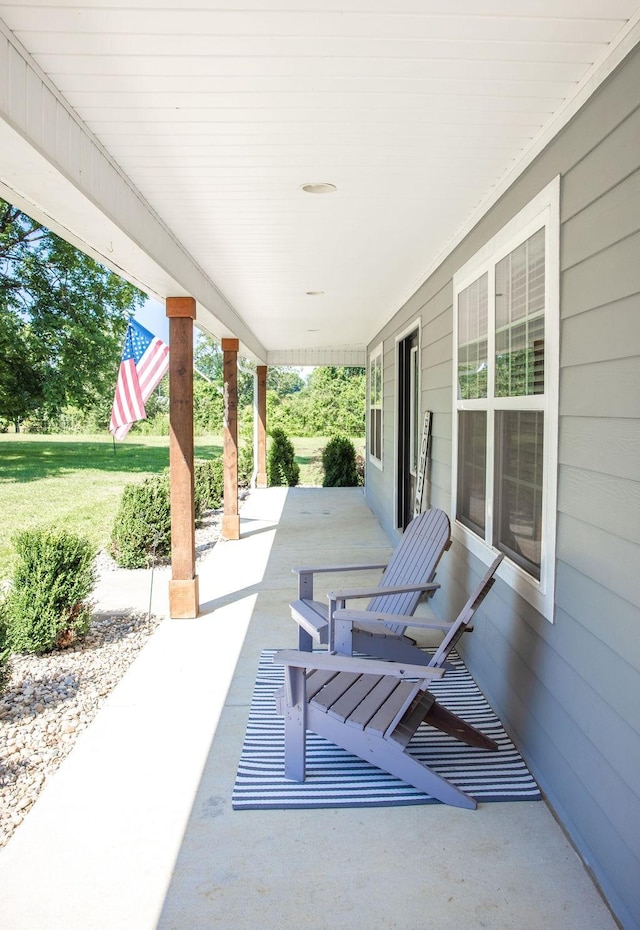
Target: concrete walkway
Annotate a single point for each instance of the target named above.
(136, 831)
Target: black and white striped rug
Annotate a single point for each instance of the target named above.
(336, 778)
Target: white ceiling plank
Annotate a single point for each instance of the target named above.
(299, 24)
(309, 47)
(107, 88)
(593, 9)
(99, 65)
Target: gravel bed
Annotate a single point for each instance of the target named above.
(51, 698)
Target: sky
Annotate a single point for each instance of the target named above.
(153, 317)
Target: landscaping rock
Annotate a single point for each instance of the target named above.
(53, 697)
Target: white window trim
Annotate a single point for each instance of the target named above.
(544, 209)
(377, 352)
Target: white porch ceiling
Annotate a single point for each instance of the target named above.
(419, 111)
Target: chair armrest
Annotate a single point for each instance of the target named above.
(382, 619)
(374, 592)
(335, 663)
(338, 568)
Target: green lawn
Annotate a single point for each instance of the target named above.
(74, 481)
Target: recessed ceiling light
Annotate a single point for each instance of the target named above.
(319, 187)
(313, 330)
(314, 293)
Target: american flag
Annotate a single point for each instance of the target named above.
(145, 359)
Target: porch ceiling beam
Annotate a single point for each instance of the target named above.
(349, 356)
(57, 171)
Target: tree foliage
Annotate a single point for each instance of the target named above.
(62, 320)
(333, 401)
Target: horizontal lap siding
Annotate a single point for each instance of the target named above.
(568, 691)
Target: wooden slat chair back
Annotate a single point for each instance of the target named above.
(415, 560)
(464, 618)
(373, 708)
(407, 576)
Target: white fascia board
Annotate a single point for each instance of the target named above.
(53, 168)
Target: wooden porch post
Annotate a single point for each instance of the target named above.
(261, 413)
(230, 517)
(183, 587)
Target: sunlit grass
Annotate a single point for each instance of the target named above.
(74, 482)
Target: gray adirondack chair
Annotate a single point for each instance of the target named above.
(407, 576)
(372, 708)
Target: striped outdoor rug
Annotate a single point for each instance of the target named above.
(336, 778)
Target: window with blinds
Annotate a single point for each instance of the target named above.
(506, 335)
(375, 405)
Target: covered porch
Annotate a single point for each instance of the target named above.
(136, 830)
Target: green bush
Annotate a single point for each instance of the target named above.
(245, 464)
(339, 463)
(46, 606)
(209, 484)
(142, 528)
(281, 466)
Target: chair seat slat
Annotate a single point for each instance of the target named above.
(361, 715)
(393, 707)
(334, 689)
(353, 696)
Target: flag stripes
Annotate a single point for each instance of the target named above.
(145, 359)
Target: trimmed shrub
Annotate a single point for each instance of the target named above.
(208, 484)
(339, 463)
(46, 606)
(282, 469)
(245, 464)
(142, 528)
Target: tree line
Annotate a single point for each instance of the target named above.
(62, 322)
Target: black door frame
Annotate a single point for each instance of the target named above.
(408, 421)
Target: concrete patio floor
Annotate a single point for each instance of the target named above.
(136, 829)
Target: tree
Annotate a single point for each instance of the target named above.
(333, 401)
(207, 358)
(62, 320)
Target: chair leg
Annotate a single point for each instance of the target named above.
(390, 758)
(305, 640)
(442, 719)
(295, 724)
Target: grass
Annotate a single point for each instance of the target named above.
(308, 455)
(74, 482)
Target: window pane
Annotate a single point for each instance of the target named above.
(520, 281)
(374, 381)
(472, 340)
(375, 432)
(472, 469)
(519, 439)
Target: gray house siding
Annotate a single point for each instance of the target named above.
(568, 692)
